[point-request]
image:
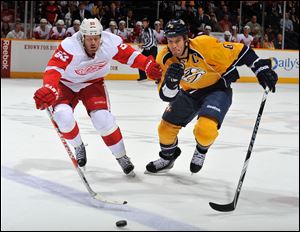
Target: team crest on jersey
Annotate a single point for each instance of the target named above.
(193, 74)
(90, 68)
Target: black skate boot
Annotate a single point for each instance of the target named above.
(197, 160)
(126, 165)
(80, 155)
(165, 163)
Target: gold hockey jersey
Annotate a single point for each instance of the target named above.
(207, 60)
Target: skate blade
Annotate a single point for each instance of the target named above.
(157, 173)
(83, 168)
(131, 174)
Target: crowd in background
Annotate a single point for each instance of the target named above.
(59, 19)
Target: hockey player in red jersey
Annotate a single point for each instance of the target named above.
(75, 72)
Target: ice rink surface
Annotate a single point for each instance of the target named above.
(40, 189)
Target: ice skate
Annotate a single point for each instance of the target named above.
(163, 164)
(80, 154)
(197, 161)
(126, 165)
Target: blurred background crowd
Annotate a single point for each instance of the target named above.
(259, 24)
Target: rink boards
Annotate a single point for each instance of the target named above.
(28, 59)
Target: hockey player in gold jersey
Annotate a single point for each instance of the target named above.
(196, 79)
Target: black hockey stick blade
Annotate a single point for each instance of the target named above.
(222, 208)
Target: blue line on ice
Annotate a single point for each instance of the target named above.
(143, 217)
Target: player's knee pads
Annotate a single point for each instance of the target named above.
(206, 131)
(103, 121)
(63, 116)
(167, 132)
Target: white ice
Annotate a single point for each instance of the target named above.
(40, 189)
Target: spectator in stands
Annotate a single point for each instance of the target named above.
(69, 15)
(161, 20)
(201, 19)
(98, 6)
(213, 22)
(112, 28)
(42, 31)
(256, 38)
(225, 24)
(120, 8)
(267, 43)
(207, 30)
(159, 33)
(227, 36)
(64, 8)
(81, 13)
(189, 17)
(59, 31)
(16, 33)
(113, 14)
(89, 6)
(245, 38)
(102, 17)
(254, 25)
(72, 30)
(226, 11)
(234, 34)
(295, 19)
(179, 9)
(130, 19)
(190, 33)
(288, 23)
(278, 41)
(123, 32)
(7, 14)
(51, 12)
(137, 32)
(5, 28)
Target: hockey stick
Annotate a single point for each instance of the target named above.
(95, 195)
(231, 206)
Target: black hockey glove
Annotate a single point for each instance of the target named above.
(265, 75)
(173, 75)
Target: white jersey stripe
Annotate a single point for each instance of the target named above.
(60, 70)
(132, 57)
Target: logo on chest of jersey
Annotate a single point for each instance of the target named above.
(90, 68)
(193, 74)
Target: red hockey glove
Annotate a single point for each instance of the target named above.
(152, 69)
(45, 96)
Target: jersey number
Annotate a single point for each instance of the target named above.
(62, 56)
(229, 46)
(123, 46)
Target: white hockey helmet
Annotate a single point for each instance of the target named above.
(76, 22)
(112, 23)
(139, 23)
(122, 22)
(91, 27)
(60, 22)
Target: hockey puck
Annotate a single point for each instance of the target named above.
(121, 223)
